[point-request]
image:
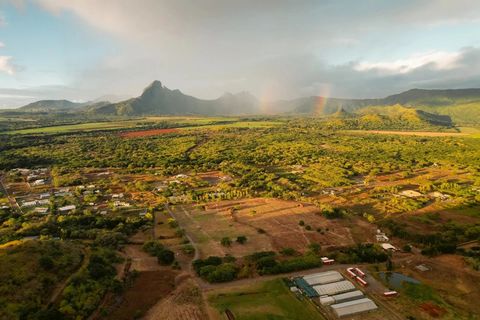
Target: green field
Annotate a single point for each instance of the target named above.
(186, 123)
(267, 300)
(89, 126)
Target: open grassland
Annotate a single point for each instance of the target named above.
(267, 300)
(89, 126)
(185, 123)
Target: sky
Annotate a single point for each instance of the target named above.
(84, 50)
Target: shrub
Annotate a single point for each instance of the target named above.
(226, 242)
(166, 257)
(241, 239)
(288, 251)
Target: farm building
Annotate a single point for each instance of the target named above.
(41, 210)
(339, 298)
(305, 287)
(410, 193)
(323, 277)
(388, 247)
(353, 307)
(334, 288)
(67, 208)
(343, 297)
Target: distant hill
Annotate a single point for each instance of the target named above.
(51, 106)
(460, 105)
(157, 99)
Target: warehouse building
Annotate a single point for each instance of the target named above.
(323, 278)
(339, 298)
(334, 288)
(353, 307)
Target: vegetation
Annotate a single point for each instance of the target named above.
(249, 303)
(30, 272)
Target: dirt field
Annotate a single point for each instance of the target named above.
(147, 288)
(186, 302)
(277, 220)
(146, 133)
(452, 278)
(141, 261)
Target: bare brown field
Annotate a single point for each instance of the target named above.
(186, 302)
(147, 288)
(146, 133)
(141, 261)
(451, 277)
(411, 133)
(269, 224)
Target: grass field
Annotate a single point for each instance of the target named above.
(91, 126)
(186, 123)
(267, 300)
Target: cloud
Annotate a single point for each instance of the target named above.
(438, 60)
(279, 48)
(6, 65)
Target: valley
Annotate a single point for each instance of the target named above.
(198, 211)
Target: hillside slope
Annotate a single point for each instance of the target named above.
(157, 99)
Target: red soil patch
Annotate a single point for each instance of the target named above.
(147, 289)
(146, 133)
(432, 309)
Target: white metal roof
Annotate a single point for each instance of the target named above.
(334, 288)
(323, 278)
(353, 307)
(347, 296)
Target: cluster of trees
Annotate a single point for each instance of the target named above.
(29, 273)
(268, 262)
(216, 269)
(156, 249)
(86, 288)
(367, 253)
(445, 240)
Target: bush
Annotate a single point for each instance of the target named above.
(241, 239)
(226, 242)
(288, 251)
(166, 257)
(301, 223)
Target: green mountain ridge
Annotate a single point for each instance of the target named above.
(440, 107)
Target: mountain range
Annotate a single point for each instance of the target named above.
(461, 105)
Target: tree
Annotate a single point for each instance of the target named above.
(226, 242)
(166, 257)
(314, 247)
(241, 239)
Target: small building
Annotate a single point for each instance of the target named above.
(27, 204)
(45, 195)
(388, 247)
(439, 195)
(334, 288)
(390, 294)
(422, 267)
(117, 196)
(67, 208)
(353, 307)
(41, 210)
(39, 182)
(410, 193)
(381, 237)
